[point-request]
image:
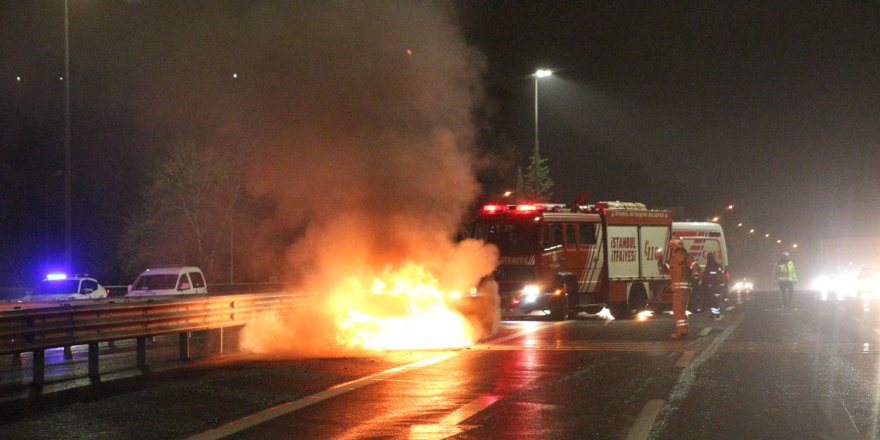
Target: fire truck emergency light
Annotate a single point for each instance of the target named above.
(491, 209)
(530, 207)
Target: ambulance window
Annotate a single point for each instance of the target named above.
(570, 237)
(587, 234)
(552, 236)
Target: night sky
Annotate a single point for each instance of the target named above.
(772, 107)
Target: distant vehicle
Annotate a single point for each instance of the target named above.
(837, 285)
(169, 280)
(869, 283)
(60, 287)
(744, 285)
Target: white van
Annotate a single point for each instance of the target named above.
(169, 280)
(702, 238)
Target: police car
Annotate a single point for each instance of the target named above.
(60, 287)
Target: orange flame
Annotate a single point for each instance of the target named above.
(400, 310)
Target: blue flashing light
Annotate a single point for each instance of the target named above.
(56, 276)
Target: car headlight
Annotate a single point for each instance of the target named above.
(531, 290)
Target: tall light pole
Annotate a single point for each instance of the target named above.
(67, 202)
(540, 73)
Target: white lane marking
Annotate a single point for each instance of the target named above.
(706, 330)
(684, 359)
(842, 425)
(688, 375)
(645, 420)
(730, 308)
(437, 432)
(257, 418)
(739, 302)
(449, 426)
(524, 332)
(470, 409)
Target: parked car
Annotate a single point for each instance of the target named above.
(169, 280)
(60, 287)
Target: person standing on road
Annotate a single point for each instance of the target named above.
(713, 285)
(680, 268)
(786, 277)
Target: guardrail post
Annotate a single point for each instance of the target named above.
(94, 376)
(39, 367)
(68, 353)
(142, 353)
(184, 346)
(218, 348)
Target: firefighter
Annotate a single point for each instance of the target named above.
(681, 268)
(786, 277)
(712, 285)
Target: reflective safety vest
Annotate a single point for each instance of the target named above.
(785, 272)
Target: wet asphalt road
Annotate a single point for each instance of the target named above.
(758, 373)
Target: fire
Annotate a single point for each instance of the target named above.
(401, 309)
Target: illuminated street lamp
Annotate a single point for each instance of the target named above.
(730, 207)
(751, 231)
(794, 246)
(778, 241)
(507, 194)
(766, 235)
(739, 225)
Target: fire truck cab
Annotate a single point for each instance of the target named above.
(566, 259)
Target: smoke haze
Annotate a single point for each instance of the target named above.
(367, 152)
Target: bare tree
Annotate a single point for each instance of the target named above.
(187, 209)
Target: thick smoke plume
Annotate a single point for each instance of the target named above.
(365, 150)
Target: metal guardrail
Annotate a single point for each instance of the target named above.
(13, 294)
(75, 323)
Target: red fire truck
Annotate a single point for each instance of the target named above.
(563, 260)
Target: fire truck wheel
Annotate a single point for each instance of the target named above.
(620, 310)
(593, 309)
(636, 302)
(560, 308)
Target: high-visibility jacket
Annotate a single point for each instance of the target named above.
(681, 267)
(785, 272)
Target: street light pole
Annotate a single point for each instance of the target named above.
(540, 73)
(67, 198)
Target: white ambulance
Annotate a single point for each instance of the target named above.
(701, 239)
